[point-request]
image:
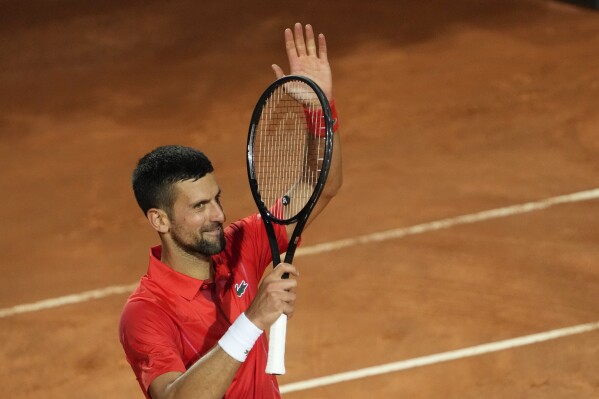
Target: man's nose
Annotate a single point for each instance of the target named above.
(217, 214)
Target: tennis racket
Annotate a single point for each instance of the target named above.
(289, 148)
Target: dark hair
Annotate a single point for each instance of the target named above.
(157, 171)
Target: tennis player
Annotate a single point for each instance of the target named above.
(194, 327)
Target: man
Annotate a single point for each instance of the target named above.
(194, 326)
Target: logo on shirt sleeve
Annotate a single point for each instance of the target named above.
(240, 288)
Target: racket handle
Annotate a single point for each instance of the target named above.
(276, 347)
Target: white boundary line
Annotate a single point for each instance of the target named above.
(450, 222)
(439, 358)
(67, 300)
(331, 246)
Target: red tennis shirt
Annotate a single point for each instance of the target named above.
(171, 320)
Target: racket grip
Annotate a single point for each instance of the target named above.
(276, 347)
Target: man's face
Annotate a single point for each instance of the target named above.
(197, 217)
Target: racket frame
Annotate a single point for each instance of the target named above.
(302, 216)
(276, 357)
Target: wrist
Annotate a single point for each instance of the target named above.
(315, 120)
(240, 338)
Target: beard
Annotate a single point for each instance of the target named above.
(200, 245)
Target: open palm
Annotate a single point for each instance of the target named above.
(306, 59)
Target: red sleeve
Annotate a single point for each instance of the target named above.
(150, 341)
(249, 240)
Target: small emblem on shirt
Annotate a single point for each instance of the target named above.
(240, 288)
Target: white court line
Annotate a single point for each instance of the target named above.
(67, 299)
(333, 245)
(450, 222)
(439, 358)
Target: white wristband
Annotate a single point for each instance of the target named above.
(240, 338)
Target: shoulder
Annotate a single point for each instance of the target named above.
(252, 228)
(245, 240)
(245, 225)
(244, 234)
(143, 314)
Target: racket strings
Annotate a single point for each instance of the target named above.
(288, 155)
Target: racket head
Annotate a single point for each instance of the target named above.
(287, 162)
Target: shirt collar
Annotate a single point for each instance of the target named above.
(172, 280)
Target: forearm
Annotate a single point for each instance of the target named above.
(209, 377)
(316, 126)
(335, 177)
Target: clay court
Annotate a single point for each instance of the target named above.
(459, 259)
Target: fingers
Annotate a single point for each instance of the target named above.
(298, 46)
(322, 47)
(284, 289)
(310, 43)
(283, 268)
(290, 45)
(287, 303)
(275, 297)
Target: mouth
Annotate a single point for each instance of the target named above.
(214, 231)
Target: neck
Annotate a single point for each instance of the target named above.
(193, 265)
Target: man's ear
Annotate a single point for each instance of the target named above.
(159, 220)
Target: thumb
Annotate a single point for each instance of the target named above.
(278, 71)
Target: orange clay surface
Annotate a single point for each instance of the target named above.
(446, 108)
